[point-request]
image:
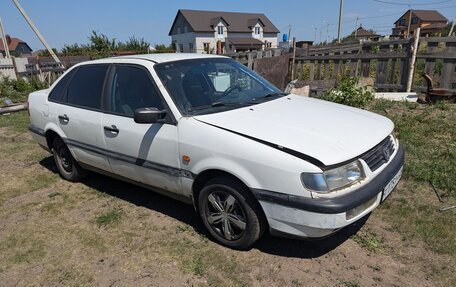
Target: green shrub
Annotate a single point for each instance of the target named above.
(18, 90)
(348, 92)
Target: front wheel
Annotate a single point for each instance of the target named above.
(230, 213)
(68, 168)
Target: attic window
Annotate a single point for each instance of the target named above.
(402, 22)
(257, 30)
(414, 20)
(220, 30)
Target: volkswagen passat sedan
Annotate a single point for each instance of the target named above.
(209, 131)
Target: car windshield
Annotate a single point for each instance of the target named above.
(202, 86)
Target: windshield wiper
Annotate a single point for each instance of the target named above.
(270, 95)
(215, 104)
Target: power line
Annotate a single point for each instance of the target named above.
(413, 4)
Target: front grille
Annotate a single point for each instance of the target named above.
(380, 154)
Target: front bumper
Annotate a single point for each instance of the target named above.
(309, 217)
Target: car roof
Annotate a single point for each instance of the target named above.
(159, 57)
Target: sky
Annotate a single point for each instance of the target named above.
(66, 22)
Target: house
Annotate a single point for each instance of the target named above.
(363, 34)
(16, 46)
(221, 32)
(428, 20)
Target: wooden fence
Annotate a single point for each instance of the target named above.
(387, 62)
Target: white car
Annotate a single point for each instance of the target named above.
(209, 131)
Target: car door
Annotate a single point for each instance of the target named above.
(80, 115)
(147, 153)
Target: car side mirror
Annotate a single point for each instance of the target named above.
(149, 116)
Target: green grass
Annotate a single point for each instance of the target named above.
(369, 241)
(428, 134)
(16, 121)
(23, 248)
(109, 217)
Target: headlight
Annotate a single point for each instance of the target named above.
(333, 179)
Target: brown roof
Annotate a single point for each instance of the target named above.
(244, 41)
(427, 15)
(12, 44)
(203, 21)
(361, 32)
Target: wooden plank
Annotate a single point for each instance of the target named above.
(443, 56)
(432, 47)
(449, 65)
(438, 39)
(405, 63)
(353, 68)
(386, 43)
(259, 54)
(250, 60)
(335, 74)
(311, 71)
(390, 87)
(326, 75)
(391, 55)
(392, 72)
(318, 75)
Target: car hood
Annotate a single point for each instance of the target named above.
(328, 132)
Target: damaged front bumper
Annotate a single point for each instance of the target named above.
(315, 217)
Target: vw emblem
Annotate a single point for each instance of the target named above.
(386, 153)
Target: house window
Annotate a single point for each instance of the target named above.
(220, 30)
(414, 20)
(257, 30)
(190, 47)
(206, 47)
(179, 30)
(402, 22)
(181, 48)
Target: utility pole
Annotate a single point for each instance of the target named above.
(327, 33)
(409, 23)
(5, 43)
(315, 36)
(356, 27)
(35, 29)
(289, 35)
(340, 21)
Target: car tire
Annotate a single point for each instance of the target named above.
(68, 167)
(230, 213)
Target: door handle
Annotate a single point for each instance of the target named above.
(112, 129)
(64, 118)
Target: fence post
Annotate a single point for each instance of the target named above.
(250, 60)
(405, 64)
(293, 59)
(413, 60)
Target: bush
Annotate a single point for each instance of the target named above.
(18, 90)
(349, 93)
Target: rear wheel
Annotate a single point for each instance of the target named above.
(68, 168)
(230, 213)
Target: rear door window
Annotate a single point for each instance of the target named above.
(86, 86)
(58, 92)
